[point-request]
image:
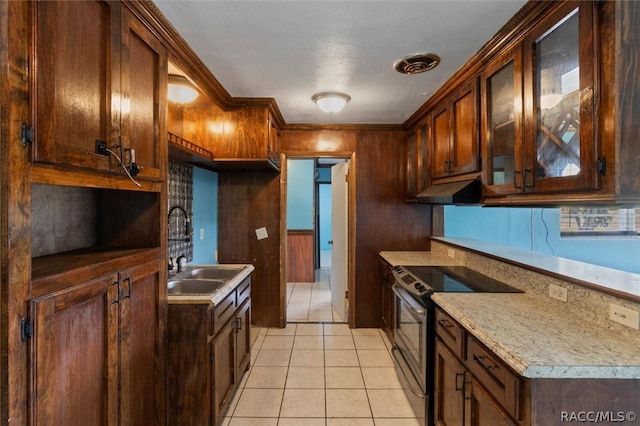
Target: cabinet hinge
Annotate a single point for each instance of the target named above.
(601, 165)
(26, 134)
(26, 329)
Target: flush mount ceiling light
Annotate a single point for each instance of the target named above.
(181, 90)
(415, 64)
(331, 101)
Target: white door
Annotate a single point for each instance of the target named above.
(339, 235)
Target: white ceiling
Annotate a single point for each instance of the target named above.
(289, 50)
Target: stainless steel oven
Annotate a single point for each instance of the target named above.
(414, 335)
(410, 349)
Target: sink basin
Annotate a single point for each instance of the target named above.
(213, 272)
(194, 286)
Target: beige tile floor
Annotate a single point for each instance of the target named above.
(317, 371)
(320, 374)
(311, 302)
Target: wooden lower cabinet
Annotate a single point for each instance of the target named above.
(481, 409)
(472, 386)
(94, 352)
(208, 353)
(449, 387)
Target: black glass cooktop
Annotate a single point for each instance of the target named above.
(457, 279)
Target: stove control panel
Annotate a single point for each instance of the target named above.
(409, 282)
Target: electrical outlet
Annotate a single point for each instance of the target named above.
(101, 148)
(202, 233)
(624, 316)
(557, 292)
(451, 253)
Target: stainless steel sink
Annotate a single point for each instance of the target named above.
(194, 286)
(213, 272)
(202, 279)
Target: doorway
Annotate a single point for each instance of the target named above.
(317, 243)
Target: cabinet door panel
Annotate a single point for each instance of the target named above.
(75, 353)
(76, 71)
(224, 369)
(449, 388)
(243, 340)
(144, 83)
(502, 123)
(464, 122)
(560, 80)
(483, 410)
(141, 365)
(441, 142)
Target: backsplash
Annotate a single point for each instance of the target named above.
(180, 187)
(589, 304)
(56, 212)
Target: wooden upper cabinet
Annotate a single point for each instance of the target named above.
(418, 149)
(454, 127)
(560, 83)
(76, 76)
(273, 143)
(501, 86)
(99, 75)
(144, 86)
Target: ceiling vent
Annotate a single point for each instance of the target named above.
(416, 64)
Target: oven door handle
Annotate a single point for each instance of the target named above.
(417, 312)
(406, 379)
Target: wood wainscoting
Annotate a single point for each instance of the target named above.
(300, 267)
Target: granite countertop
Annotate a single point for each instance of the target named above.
(415, 258)
(219, 294)
(533, 335)
(539, 340)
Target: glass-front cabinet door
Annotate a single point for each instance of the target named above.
(502, 123)
(559, 79)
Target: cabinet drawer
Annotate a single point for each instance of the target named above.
(451, 333)
(243, 291)
(494, 375)
(223, 311)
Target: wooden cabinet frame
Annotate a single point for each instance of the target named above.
(589, 89)
(455, 133)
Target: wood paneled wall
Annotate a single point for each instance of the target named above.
(300, 264)
(384, 221)
(248, 201)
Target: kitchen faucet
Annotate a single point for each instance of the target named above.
(187, 224)
(179, 262)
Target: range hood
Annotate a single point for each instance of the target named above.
(462, 192)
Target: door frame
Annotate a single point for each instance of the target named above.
(351, 220)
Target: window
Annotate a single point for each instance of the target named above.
(599, 221)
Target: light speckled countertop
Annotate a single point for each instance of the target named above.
(218, 295)
(539, 340)
(415, 258)
(533, 335)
